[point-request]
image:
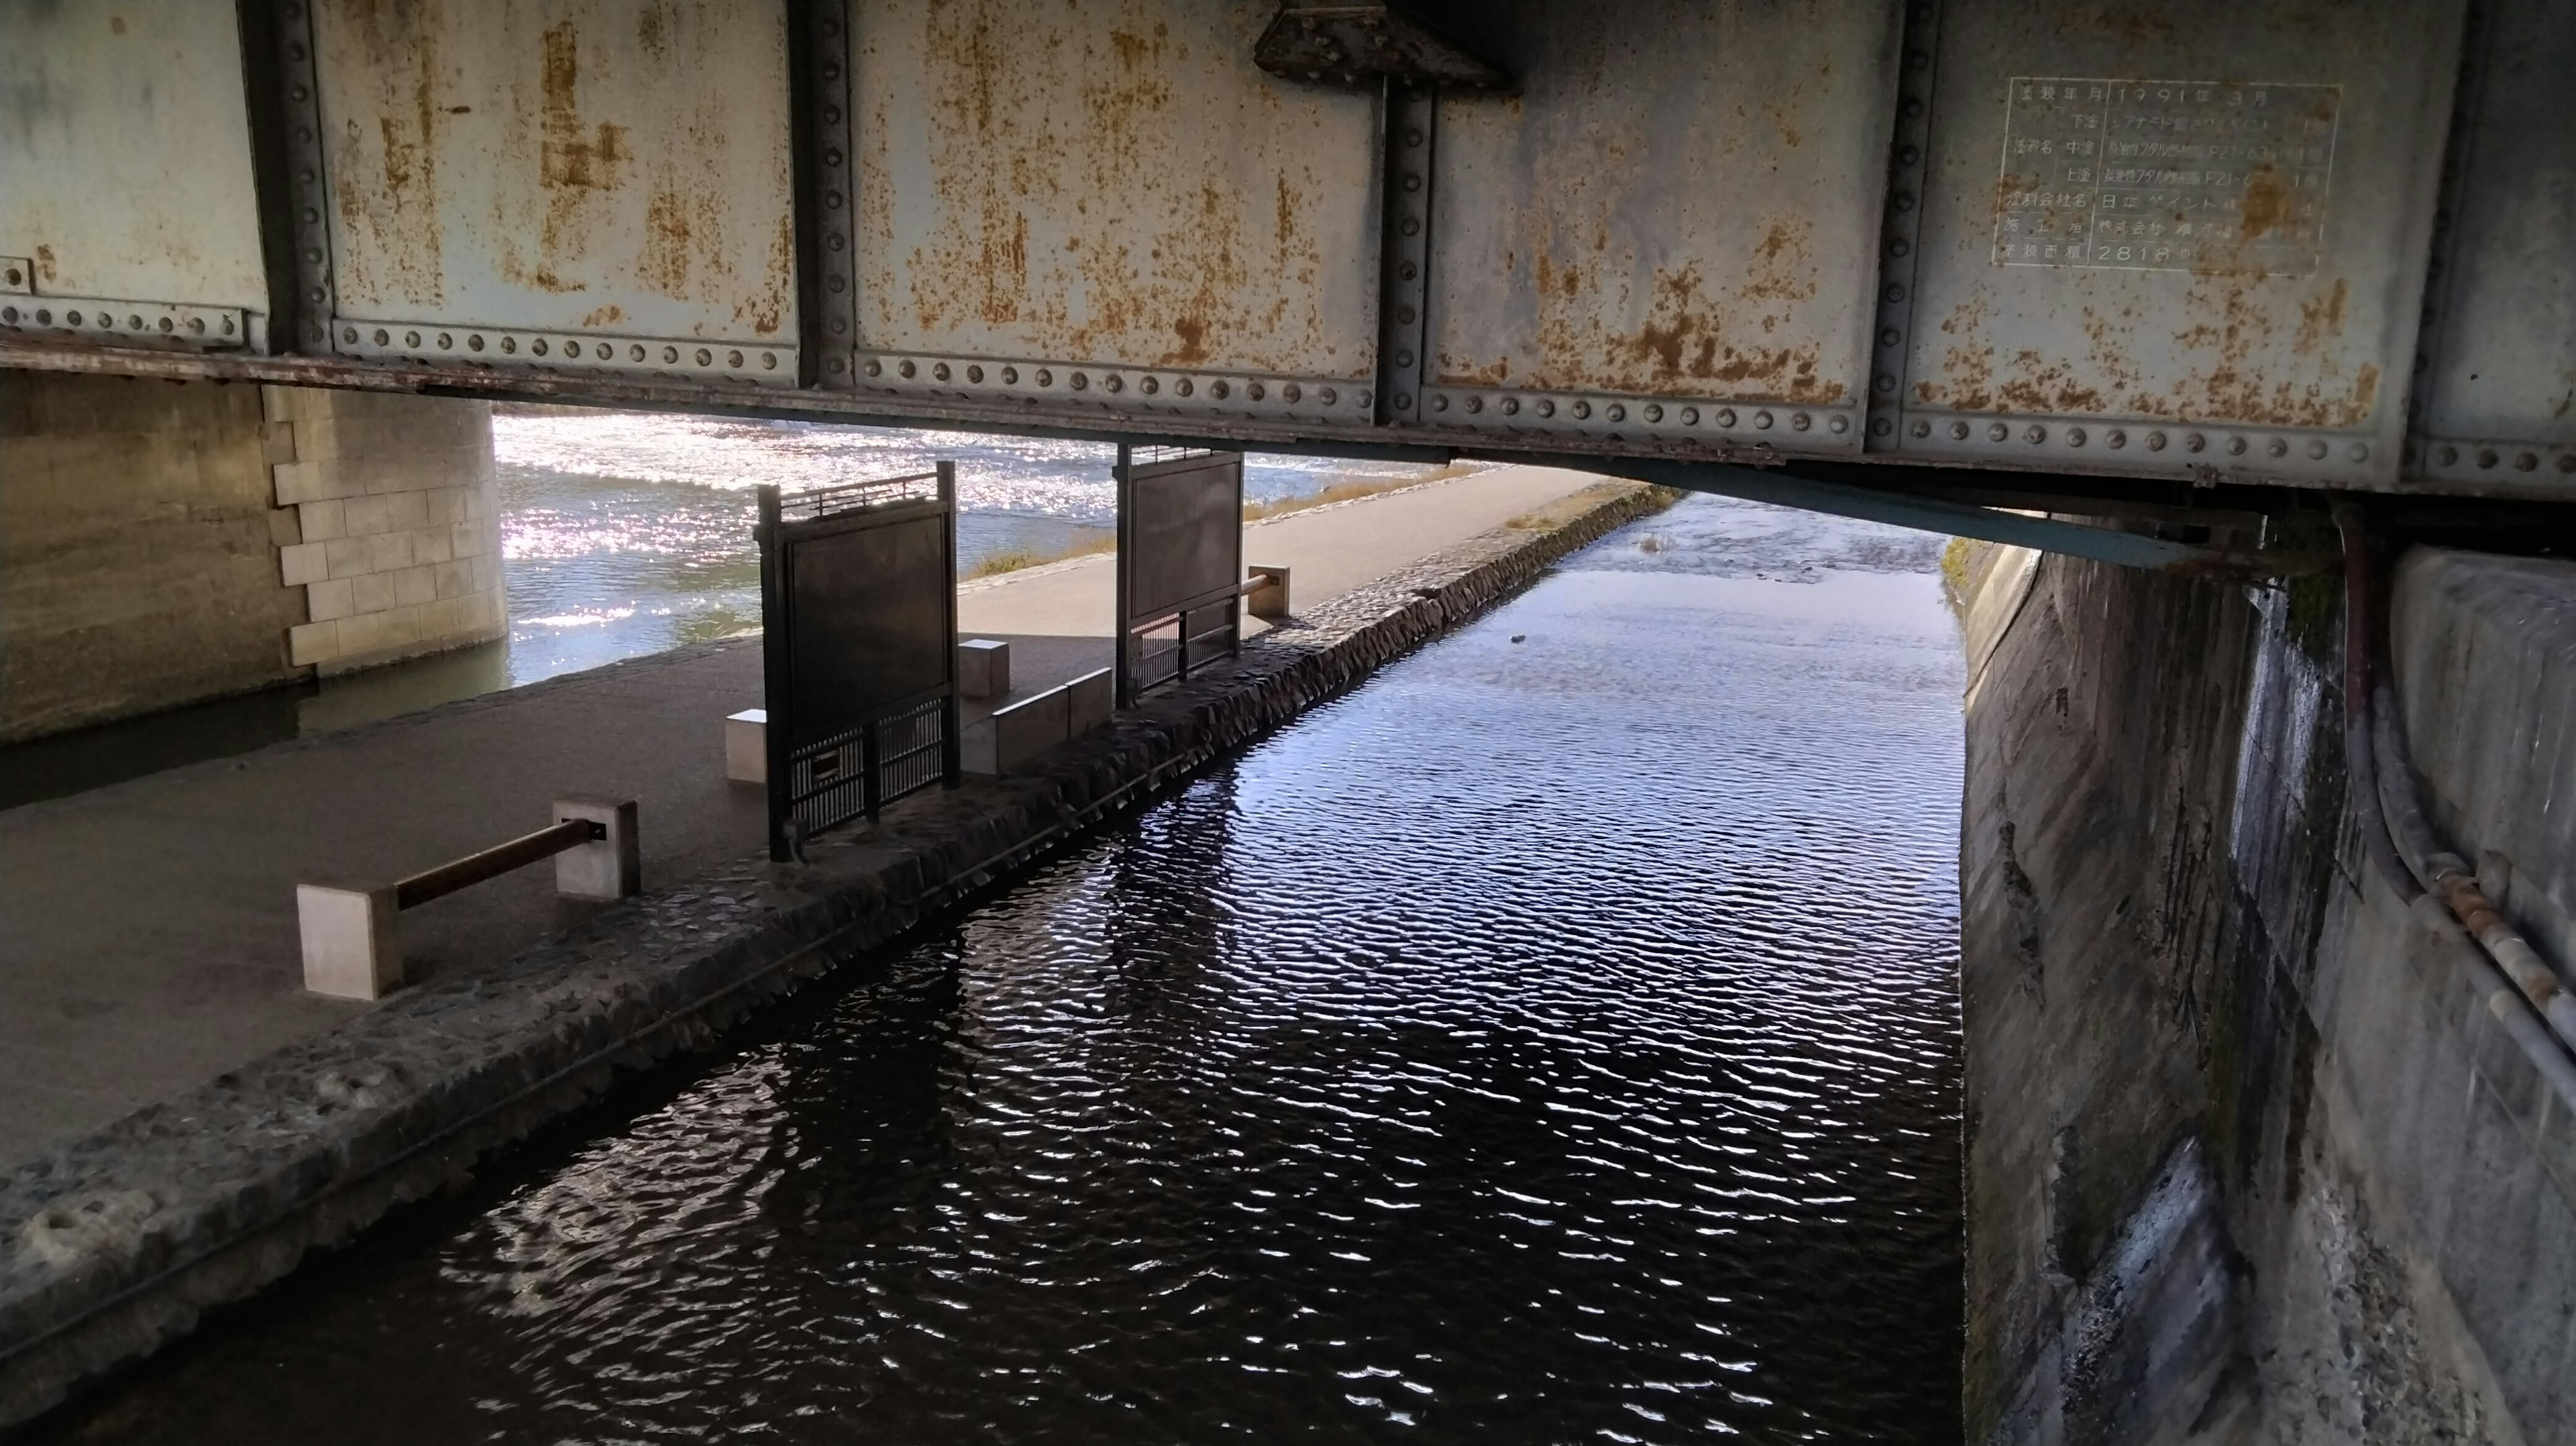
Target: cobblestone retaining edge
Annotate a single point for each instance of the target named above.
(115, 1244)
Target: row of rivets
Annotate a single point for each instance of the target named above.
(427, 342)
(2115, 438)
(1760, 419)
(161, 322)
(1042, 378)
(2488, 458)
(1905, 178)
(834, 174)
(1404, 289)
(305, 183)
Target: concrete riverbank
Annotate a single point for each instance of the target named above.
(115, 1241)
(2251, 1156)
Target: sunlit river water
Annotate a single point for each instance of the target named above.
(1555, 1039)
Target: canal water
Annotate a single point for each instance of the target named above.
(1555, 1039)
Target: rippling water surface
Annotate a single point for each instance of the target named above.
(630, 532)
(1554, 1040)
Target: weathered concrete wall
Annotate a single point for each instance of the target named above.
(138, 549)
(2248, 1159)
(166, 542)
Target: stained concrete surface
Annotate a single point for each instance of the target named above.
(149, 941)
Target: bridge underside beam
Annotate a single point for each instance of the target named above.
(2241, 243)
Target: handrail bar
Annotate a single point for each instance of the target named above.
(495, 861)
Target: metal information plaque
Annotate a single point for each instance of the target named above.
(2165, 175)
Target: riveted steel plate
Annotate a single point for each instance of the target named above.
(2498, 408)
(2239, 196)
(1110, 185)
(1677, 206)
(585, 166)
(125, 160)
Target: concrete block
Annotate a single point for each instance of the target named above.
(345, 556)
(447, 506)
(451, 579)
(367, 516)
(402, 626)
(310, 643)
(1090, 701)
(1015, 736)
(322, 521)
(407, 511)
(464, 540)
(1270, 599)
(747, 746)
(432, 544)
(387, 551)
(285, 529)
(277, 442)
(610, 867)
(371, 592)
(302, 563)
(416, 585)
(331, 598)
(348, 935)
(983, 668)
(300, 482)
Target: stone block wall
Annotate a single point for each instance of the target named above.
(138, 549)
(398, 545)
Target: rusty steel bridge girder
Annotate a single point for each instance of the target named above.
(2257, 242)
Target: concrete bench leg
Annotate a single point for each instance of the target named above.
(349, 946)
(605, 868)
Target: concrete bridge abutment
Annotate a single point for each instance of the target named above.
(2250, 1158)
(162, 543)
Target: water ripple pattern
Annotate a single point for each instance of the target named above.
(1554, 1040)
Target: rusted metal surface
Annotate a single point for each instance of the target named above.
(592, 166)
(1678, 204)
(2201, 215)
(125, 162)
(1109, 184)
(2498, 389)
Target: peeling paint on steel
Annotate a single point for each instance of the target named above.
(1113, 183)
(1681, 202)
(571, 164)
(125, 163)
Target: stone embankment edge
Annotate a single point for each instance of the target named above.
(115, 1244)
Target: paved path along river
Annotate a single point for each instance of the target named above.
(1554, 1039)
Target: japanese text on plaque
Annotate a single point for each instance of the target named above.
(2165, 175)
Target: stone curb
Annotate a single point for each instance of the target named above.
(115, 1244)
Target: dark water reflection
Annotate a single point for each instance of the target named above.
(1554, 1040)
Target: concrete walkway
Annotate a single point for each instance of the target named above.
(147, 929)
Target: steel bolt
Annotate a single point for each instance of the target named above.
(1408, 270)
(1412, 181)
(2155, 441)
(1881, 426)
(1654, 413)
(1359, 400)
(904, 370)
(1841, 424)
(1582, 409)
(1958, 431)
(165, 326)
(474, 342)
(2357, 452)
(1182, 386)
(1761, 421)
(2115, 439)
(2566, 460)
(1404, 360)
(1890, 337)
(1726, 416)
(1045, 377)
(1885, 382)
(2075, 436)
(1920, 428)
(769, 361)
(1908, 155)
(831, 158)
(1149, 386)
(1690, 416)
(1439, 401)
(1895, 293)
(2035, 435)
(1997, 431)
(1800, 421)
(1475, 404)
(1904, 200)
(510, 345)
(1290, 392)
(1403, 402)
(939, 372)
(1081, 381)
(1511, 406)
(2193, 442)
(2450, 456)
(1404, 315)
(2316, 451)
(1412, 226)
(1010, 376)
(2236, 446)
(875, 367)
(1546, 408)
(380, 336)
(2278, 448)
(1113, 383)
(633, 353)
(2486, 457)
(2526, 461)
(411, 338)
(1219, 390)
(1253, 390)
(1327, 396)
(1413, 137)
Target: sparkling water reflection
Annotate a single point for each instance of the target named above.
(1555, 1039)
(630, 532)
